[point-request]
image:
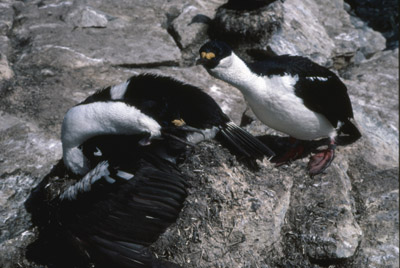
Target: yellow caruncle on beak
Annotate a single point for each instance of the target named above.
(178, 122)
(207, 55)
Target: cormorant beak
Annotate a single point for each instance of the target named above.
(205, 57)
(201, 61)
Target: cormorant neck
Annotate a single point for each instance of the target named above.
(83, 122)
(234, 71)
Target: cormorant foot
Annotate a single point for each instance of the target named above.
(321, 161)
(295, 152)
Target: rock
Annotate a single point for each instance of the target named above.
(16, 136)
(188, 26)
(301, 33)
(188, 33)
(376, 109)
(121, 43)
(6, 72)
(370, 12)
(312, 28)
(326, 31)
(181, 25)
(59, 52)
(5, 46)
(6, 17)
(87, 17)
(353, 36)
(377, 196)
(13, 251)
(326, 226)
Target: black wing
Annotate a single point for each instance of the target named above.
(321, 90)
(111, 215)
(114, 214)
(167, 99)
(328, 97)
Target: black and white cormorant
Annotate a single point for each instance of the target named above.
(155, 105)
(291, 94)
(118, 186)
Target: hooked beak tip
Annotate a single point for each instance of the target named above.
(200, 61)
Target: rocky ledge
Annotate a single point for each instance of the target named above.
(54, 53)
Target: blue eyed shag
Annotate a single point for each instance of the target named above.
(119, 187)
(158, 106)
(111, 215)
(290, 94)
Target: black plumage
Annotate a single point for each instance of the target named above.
(166, 99)
(111, 215)
(319, 88)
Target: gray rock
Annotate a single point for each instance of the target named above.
(18, 135)
(122, 42)
(59, 52)
(5, 46)
(324, 30)
(377, 202)
(323, 215)
(87, 17)
(188, 34)
(188, 30)
(353, 36)
(13, 251)
(6, 72)
(301, 33)
(374, 85)
(6, 17)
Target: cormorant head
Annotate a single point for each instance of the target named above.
(212, 52)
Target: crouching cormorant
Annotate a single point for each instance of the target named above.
(118, 186)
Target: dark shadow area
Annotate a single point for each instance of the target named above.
(382, 16)
(51, 248)
(247, 5)
(281, 145)
(329, 262)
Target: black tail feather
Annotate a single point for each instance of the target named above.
(119, 254)
(244, 142)
(351, 134)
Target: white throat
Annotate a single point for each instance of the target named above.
(234, 71)
(83, 122)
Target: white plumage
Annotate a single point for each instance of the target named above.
(273, 101)
(83, 122)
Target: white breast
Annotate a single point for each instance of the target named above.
(274, 102)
